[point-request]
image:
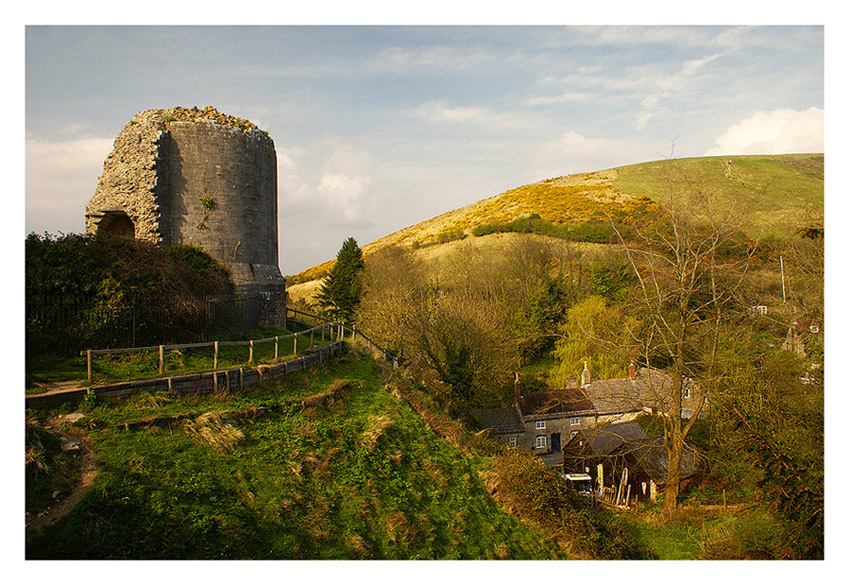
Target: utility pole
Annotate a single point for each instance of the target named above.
(782, 270)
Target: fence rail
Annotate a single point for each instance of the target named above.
(211, 381)
(346, 330)
(333, 330)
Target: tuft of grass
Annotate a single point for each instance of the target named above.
(49, 471)
(210, 430)
(375, 427)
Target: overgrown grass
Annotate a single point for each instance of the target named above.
(531, 491)
(360, 478)
(707, 534)
(50, 473)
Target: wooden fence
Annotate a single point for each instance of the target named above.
(227, 379)
(343, 330)
(332, 331)
(213, 381)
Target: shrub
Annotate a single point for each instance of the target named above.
(526, 487)
(95, 291)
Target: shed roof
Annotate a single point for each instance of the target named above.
(614, 396)
(650, 456)
(603, 440)
(649, 389)
(500, 420)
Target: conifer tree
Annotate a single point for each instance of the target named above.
(339, 294)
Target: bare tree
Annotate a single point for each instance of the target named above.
(688, 267)
(394, 299)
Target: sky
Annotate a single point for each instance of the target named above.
(378, 128)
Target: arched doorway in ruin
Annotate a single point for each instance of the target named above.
(116, 223)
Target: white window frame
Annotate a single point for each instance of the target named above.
(540, 424)
(540, 441)
(687, 393)
(573, 433)
(575, 421)
(512, 441)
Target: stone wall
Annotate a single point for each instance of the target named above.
(131, 178)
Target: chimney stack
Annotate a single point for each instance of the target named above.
(585, 376)
(632, 371)
(517, 387)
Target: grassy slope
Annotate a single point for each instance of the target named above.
(363, 478)
(774, 191)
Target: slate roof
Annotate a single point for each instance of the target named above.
(650, 389)
(561, 401)
(603, 440)
(614, 396)
(500, 420)
(651, 457)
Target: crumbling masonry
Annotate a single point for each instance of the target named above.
(199, 177)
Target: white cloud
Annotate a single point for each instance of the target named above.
(60, 180)
(291, 186)
(344, 192)
(439, 112)
(407, 60)
(779, 131)
(694, 65)
(575, 153)
(564, 97)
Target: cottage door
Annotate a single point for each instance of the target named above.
(556, 442)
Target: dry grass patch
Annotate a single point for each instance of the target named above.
(209, 429)
(375, 427)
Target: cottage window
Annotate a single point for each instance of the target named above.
(540, 425)
(512, 441)
(575, 421)
(687, 392)
(541, 442)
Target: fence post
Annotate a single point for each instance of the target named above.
(250, 350)
(215, 355)
(312, 332)
(295, 344)
(88, 364)
(161, 359)
(353, 332)
(323, 335)
(275, 348)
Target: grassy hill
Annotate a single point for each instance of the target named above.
(362, 477)
(775, 193)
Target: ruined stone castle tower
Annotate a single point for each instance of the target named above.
(199, 177)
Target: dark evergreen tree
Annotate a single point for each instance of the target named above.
(339, 294)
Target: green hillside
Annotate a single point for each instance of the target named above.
(361, 478)
(775, 192)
